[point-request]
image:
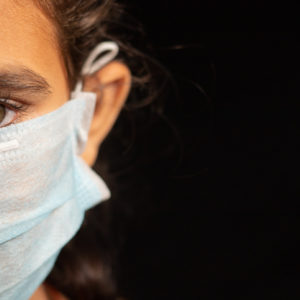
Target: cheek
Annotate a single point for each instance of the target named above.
(52, 103)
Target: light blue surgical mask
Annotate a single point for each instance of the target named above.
(45, 187)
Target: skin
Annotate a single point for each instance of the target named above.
(28, 41)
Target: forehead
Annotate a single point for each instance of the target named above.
(25, 32)
(28, 38)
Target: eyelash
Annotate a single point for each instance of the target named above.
(13, 106)
(17, 107)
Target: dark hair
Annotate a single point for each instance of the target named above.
(86, 267)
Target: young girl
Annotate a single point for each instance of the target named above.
(65, 75)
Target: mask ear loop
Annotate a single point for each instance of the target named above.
(91, 65)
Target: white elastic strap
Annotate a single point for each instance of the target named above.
(90, 66)
(10, 145)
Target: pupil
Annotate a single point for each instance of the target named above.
(2, 112)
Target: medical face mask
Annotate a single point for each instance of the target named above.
(45, 187)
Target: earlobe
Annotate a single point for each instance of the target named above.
(112, 85)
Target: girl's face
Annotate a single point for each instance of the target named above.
(33, 77)
(32, 73)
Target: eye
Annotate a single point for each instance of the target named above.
(7, 115)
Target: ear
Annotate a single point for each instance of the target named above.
(111, 84)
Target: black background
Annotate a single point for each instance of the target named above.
(215, 234)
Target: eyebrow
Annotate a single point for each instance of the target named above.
(23, 80)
